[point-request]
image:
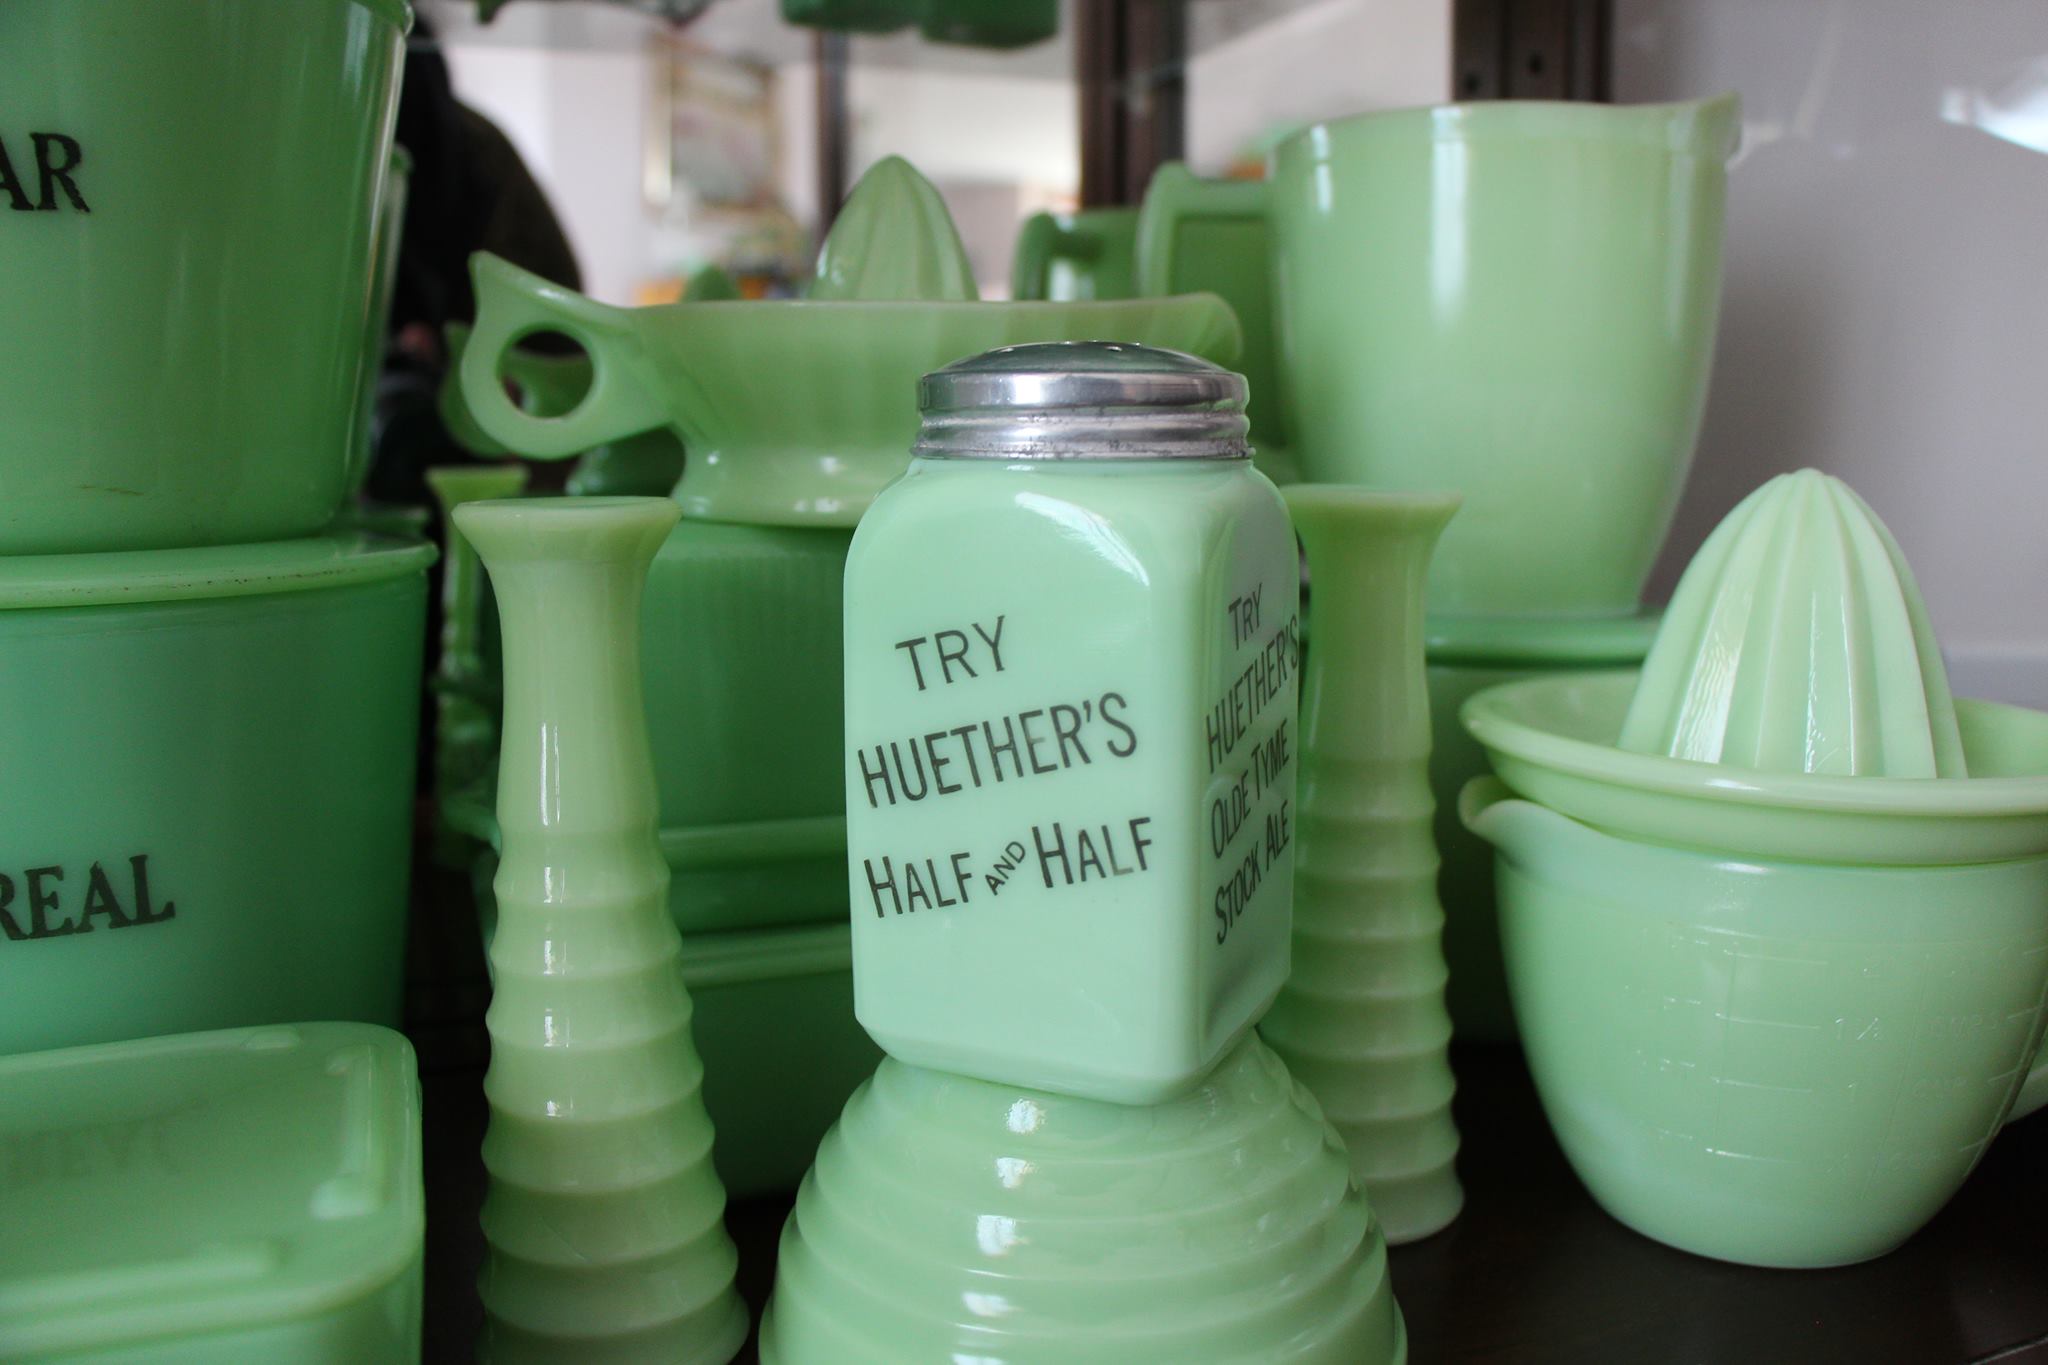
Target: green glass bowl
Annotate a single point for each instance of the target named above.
(955, 1219)
(248, 1195)
(793, 413)
(1760, 1059)
(1552, 740)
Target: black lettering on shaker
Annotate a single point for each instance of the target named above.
(956, 655)
(886, 882)
(1068, 731)
(939, 762)
(1130, 735)
(8, 926)
(910, 647)
(1046, 855)
(878, 773)
(994, 642)
(1031, 742)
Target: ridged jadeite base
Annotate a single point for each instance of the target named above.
(950, 1219)
(604, 1217)
(1361, 1021)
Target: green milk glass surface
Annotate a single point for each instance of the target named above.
(1467, 655)
(772, 1016)
(465, 680)
(1071, 635)
(604, 1217)
(1797, 643)
(1084, 255)
(251, 1195)
(390, 232)
(956, 1219)
(1196, 236)
(1513, 299)
(188, 198)
(795, 413)
(214, 750)
(1361, 1021)
(1764, 1060)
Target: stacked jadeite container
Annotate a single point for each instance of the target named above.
(208, 690)
(793, 415)
(1071, 633)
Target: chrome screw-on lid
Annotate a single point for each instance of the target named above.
(1083, 400)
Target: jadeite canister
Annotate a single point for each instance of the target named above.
(1515, 300)
(209, 757)
(1071, 640)
(188, 210)
(240, 1196)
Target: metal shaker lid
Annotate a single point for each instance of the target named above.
(1083, 400)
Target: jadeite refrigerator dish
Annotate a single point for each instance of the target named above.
(1775, 916)
(1467, 655)
(1514, 300)
(1071, 630)
(247, 1195)
(191, 193)
(218, 824)
(603, 1218)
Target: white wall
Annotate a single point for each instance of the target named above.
(1885, 315)
(1330, 59)
(578, 117)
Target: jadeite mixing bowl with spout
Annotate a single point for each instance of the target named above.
(1774, 1018)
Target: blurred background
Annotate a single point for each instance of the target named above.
(1885, 314)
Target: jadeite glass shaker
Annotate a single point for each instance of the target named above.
(604, 1217)
(1362, 1021)
(1071, 637)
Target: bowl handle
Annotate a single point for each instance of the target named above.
(512, 304)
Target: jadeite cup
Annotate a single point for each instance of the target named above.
(1774, 1018)
(188, 207)
(953, 1219)
(1515, 300)
(211, 759)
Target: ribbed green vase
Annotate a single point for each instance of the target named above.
(1361, 1021)
(604, 1218)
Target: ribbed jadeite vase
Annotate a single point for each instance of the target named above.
(604, 1217)
(1361, 1021)
(465, 722)
(956, 1220)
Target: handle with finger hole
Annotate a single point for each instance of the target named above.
(511, 304)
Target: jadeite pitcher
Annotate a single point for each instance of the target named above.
(604, 1218)
(1361, 1021)
(1514, 299)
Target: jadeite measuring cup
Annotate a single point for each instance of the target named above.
(1774, 1018)
(189, 196)
(793, 413)
(1085, 255)
(1515, 300)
